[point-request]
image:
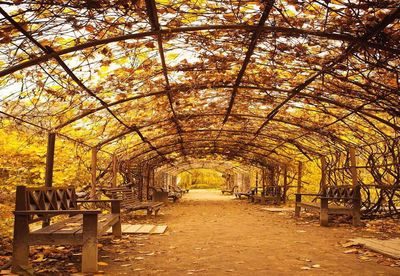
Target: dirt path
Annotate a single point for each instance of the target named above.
(210, 234)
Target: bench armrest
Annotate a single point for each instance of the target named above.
(57, 212)
(97, 200)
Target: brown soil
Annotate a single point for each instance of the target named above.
(210, 234)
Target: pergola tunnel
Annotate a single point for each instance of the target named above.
(113, 107)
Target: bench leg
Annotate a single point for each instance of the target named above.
(356, 216)
(156, 212)
(117, 230)
(297, 209)
(323, 216)
(89, 248)
(116, 209)
(20, 255)
(149, 212)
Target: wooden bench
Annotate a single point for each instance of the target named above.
(174, 193)
(271, 194)
(130, 203)
(83, 227)
(231, 191)
(247, 194)
(335, 200)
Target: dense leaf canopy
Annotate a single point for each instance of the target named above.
(168, 81)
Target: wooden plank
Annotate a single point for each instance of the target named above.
(389, 247)
(57, 226)
(45, 239)
(145, 229)
(133, 228)
(271, 209)
(128, 228)
(159, 229)
(123, 227)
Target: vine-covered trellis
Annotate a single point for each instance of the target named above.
(378, 171)
(170, 83)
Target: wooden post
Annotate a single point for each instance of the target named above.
(114, 171)
(298, 195)
(94, 173)
(323, 175)
(300, 174)
(149, 169)
(89, 247)
(356, 188)
(285, 184)
(51, 141)
(116, 209)
(323, 215)
(256, 182)
(141, 183)
(263, 175)
(21, 231)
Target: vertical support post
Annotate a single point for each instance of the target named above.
(149, 169)
(89, 247)
(263, 175)
(116, 209)
(298, 195)
(323, 215)
(285, 184)
(51, 141)
(323, 175)
(94, 173)
(141, 182)
(114, 171)
(20, 254)
(300, 175)
(356, 188)
(256, 182)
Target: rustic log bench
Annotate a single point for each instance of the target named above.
(130, 203)
(271, 194)
(83, 227)
(335, 200)
(231, 191)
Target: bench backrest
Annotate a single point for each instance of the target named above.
(273, 191)
(125, 194)
(342, 194)
(45, 198)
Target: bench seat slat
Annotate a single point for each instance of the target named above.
(58, 225)
(62, 227)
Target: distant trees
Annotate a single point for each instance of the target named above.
(201, 179)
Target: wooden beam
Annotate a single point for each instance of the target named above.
(250, 50)
(327, 67)
(51, 141)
